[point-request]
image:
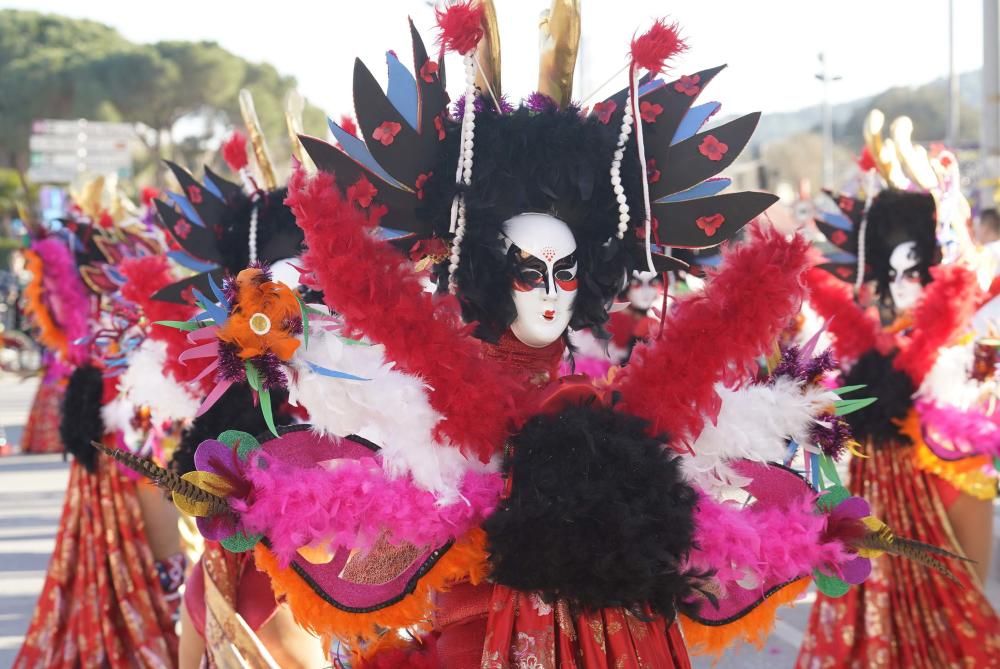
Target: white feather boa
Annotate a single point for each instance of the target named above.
(949, 382)
(754, 423)
(144, 383)
(391, 409)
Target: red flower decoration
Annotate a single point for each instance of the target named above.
(846, 204)
(604, 110)
(429, 71)
(649, 111)
(712, 148)
(652, 174)
(362, 192)
(439, 124)
(689, 85)
(194, 194)
(419, 183)
(838, 237)
(182, 228)
(386, 133)
(149, 193)
(843, 272)
(709, 224)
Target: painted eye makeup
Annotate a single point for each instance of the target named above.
(529, 272)
(565, 273)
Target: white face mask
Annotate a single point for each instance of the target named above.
(904, 278)
(644, 290)
(545, 283)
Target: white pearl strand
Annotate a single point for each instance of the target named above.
(251, 190)
(463, 173)
(616, 167)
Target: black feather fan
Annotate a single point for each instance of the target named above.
(879, 422)
(81, 416)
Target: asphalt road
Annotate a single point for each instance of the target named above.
(31, 494)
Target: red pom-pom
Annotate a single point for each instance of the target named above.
(148, 194)
(865, 161)
(461, 27)
(652, 50)
(348, 125)
(234, 151)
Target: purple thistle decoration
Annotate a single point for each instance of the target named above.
(540, 102)
(794, 364)
(292, 325)
(272, 375)
(231, 366)
(481, 104)
(831, 433)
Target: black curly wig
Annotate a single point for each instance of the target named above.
(553, 162)
(879, 423)
(599, 514)
(81, 421)
(896, 217)
(278, 236)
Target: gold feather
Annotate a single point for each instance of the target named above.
(166, 479)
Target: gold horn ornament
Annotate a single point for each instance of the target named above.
(295, 104)
(488, 53)
(559, 37)
(912, 157)
(260, 151)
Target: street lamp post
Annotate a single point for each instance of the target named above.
(826, 78)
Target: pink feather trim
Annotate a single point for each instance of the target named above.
(353, 502)
(774, 544)
(65, 293)
(716, 335)
(967, 432)
(379, 295)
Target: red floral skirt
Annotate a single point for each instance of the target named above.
(41, 434)
(101, 604)
(493, 627)
(904, 615)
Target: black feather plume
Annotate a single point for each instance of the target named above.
(81, 421)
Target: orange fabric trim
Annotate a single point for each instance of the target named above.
(966, 474)
(50, 335)
(466, 559)
(752, 628)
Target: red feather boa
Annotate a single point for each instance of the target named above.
(380, 296)
(143, 277)
(717, 335)
(460, 26)
(854, 330)
(234, 151)
(656, 46)
(946, 307)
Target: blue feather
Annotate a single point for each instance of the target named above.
(212, 310)
(189, 261)
(219, 295)
(706, 188)
(402, 91)
(323, 371)
(356, 149)
(186, 208)
(837, 220)
(694, 120)
(212, 188)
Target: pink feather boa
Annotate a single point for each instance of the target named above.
(353, 502)
(716, 335)
(379, 295)
(969, 432)
(775, 544)
(70, 303)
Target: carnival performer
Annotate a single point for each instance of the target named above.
(220, 228)
(449, 481)
(116, 563)
(927, 444)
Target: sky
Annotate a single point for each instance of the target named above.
(771, 46)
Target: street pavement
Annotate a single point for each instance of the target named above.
(31, 494)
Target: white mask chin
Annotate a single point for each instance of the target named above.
(904, 280)
(545, 286)
(644, 290)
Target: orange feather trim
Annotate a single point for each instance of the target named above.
(50, 334)
(465, 560)
(752, 628)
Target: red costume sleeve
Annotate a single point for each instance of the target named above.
(854, 330)
(379, 295)
(716, 335)
(946, 307)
